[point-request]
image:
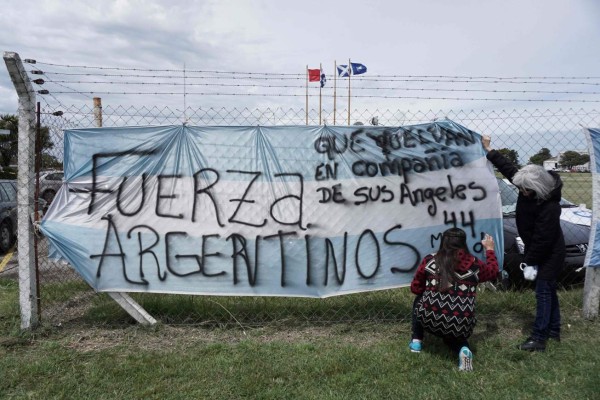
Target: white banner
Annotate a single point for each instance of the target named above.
(274, 211)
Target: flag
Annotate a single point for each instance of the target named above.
(314, 75)
(323, 80)
(354, 69)
(343, 71)
(358, 69)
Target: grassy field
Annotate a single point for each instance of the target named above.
(577, 188)
(91, 357)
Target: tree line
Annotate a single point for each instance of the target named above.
(9, 144)
(568, 159)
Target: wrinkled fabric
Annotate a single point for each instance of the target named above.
(269, 211)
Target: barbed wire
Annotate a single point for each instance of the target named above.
(303, 74)
(327, 95)
(299, 77)
(71, 90)
(302, 87)
(362, 87)
(436, 80)
(169, 70)
(341, 79)
(116, 112)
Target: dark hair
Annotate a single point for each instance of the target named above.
(453, 240)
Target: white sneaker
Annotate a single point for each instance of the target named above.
(465, 359)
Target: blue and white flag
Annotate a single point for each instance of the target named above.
(358, 69)
(592, 258)
(312, 211)
(354, 69)
(323, 80)
(343, 71)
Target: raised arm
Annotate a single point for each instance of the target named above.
(489, 270)
(504, 165)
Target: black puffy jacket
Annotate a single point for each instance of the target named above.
(538, 223)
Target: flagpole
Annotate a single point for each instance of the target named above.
(334, 88)
(307, 95)
(320, 88)
(349, 73)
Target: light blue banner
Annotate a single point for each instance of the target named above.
(267, 211)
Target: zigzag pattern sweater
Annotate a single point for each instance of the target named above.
(451, 312)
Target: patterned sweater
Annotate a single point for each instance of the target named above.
(487, 271)
(451, 312)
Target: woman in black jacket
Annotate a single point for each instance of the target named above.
(538, 222)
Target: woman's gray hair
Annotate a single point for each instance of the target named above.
(536, 178)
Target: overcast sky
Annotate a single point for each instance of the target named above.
(498, 38)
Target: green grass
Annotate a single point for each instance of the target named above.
(577, 188)
(90, 359)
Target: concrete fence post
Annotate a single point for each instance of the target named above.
(591, 293)
(25, 190)
(98, 111)
(591, 287)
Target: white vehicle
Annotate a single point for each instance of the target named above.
(50, 182)
(577, 214)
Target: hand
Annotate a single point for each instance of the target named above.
(486, 142)
(488, 242)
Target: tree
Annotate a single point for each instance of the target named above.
(512, 155)
(9, 143)
(541, 156)
(570, 159)
(51, 162)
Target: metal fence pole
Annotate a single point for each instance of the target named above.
(25, 190)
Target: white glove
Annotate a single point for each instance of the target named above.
(529, 271)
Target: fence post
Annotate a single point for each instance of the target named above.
(25, 190)
(98, 111)
(591, 292)
(591, 287)
(123, 299)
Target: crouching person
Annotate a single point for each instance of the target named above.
(446, 285)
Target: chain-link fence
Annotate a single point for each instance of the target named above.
(65, 296)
